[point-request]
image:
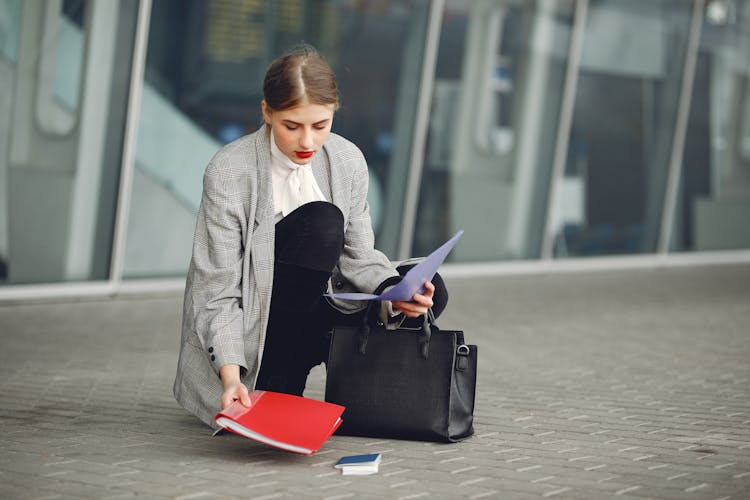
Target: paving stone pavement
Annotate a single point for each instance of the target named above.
(612, 384)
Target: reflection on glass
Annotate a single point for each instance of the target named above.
(613, 190)
(498, 89)
(61, 136)
(10, 17)
(57, 99)
(203, 88)
(714, 202)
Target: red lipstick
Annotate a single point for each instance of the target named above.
(304, 154)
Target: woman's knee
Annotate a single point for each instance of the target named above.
(311, 236)
(322, 217)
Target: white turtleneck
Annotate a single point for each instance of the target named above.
(293, 184)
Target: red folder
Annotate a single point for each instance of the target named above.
(292, 423)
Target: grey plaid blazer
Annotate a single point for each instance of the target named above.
(229, 281)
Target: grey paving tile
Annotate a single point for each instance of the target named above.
(599, 385)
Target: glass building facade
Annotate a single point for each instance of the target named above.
(548, 130)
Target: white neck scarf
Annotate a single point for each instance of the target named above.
(293, 184)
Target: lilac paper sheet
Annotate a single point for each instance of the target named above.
(413, 281)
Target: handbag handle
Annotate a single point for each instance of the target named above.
(423, 338)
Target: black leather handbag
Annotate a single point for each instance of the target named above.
(416, 384)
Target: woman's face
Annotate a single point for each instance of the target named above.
(300, 132)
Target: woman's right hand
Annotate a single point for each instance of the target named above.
(234, 389)
(235, 392)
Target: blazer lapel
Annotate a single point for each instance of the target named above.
(264, 208)
(263, 233)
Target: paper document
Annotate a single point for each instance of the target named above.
(413, 281)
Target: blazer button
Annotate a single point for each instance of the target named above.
(213, 357)
(339, 285)
(210, 349)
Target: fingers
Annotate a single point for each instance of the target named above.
(419, 304)
(235, 393)
(226, 400)
(244, 396)
(424, 300)
(410, 309)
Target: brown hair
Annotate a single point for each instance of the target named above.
(301, 75)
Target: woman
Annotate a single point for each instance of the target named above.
(283, 218)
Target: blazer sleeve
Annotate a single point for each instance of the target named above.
(215, 277)
(361, 264)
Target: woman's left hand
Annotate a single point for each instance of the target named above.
(419, 303)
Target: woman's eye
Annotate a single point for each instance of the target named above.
(290, 127)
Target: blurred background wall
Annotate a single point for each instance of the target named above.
(548, 130)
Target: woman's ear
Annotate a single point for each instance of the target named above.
(266, 112)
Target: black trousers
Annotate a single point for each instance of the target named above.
(309, 242)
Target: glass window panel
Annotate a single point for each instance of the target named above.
(203, 87)
(57, 103)
(612, 193)
(498, 89)
(65, 92)
(714, 201)
(10, 20)
(10, 16)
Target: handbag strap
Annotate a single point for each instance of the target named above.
(425, 334)
(423, 337)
